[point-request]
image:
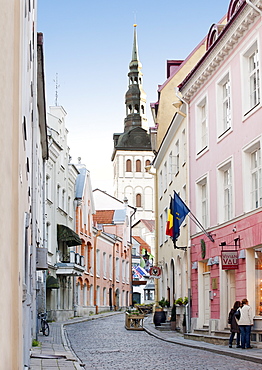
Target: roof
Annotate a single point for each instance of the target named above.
(149, 224)
(104, 217)
(143, 244)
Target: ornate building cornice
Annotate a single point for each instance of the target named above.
(221, 48)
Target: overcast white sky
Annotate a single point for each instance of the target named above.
(89, 45)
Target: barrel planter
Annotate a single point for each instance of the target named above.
(159, 317)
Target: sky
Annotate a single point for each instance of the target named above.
(87, 50)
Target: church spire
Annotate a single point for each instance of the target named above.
(135, 98)
(135, 57)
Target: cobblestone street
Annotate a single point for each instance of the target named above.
(106, 344)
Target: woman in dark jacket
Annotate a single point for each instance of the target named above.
(234, 325)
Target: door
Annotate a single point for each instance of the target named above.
(231, 289)
(206, 277)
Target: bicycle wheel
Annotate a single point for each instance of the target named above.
(45, 329)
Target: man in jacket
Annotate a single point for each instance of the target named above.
(245, 323)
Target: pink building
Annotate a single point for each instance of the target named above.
(222, 97)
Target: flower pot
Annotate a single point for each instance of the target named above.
(159, 317)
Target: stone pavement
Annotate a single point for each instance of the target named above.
(254, 354)
(55, 352)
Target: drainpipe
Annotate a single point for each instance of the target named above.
(95, 287)
(130, 267)
(254, 6)
(189, 239)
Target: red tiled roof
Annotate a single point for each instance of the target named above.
(143, 244)
(104, 217)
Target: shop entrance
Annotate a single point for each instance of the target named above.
(231, 289)
(206, 278)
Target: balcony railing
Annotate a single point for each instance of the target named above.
(74, 266)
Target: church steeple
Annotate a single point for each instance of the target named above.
(135, 98)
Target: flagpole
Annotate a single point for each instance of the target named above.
(195, 220)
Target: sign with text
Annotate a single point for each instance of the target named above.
(229, 260)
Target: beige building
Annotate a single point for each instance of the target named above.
(23, 151)
(169, 140)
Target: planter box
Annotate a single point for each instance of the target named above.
(134, 322)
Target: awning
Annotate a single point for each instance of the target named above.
(67, 235)
(51, 282)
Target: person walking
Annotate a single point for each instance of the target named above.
(245, 323)
(234, 328)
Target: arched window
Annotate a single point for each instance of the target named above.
(136, 108)
(138, 165)
(142, 109)
(138, 200)
(148, 162)
(128, 165)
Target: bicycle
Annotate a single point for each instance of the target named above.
(44, 324)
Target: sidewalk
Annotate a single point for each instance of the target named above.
(55, 352)
(254, 354)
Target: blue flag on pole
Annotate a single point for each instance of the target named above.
(180, 210)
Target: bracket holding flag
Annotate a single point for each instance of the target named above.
(176, 214)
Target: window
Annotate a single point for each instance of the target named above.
(254, 79)
(58, 201)
(184, 149)
(251, 79)
(202, 201)
(104, 264)
(256, 178)
(161, 231)
(160, 184)
(177, 158)
(165, 177)
(104, 296)
(170, 167)
(117, 269)
(224, 105)
(148, 163)
(128, 165)
(138, 165)
(98, 262)
(225, 192)
(48, 187)
(127, 272)
(123, 271)
(138, 200)
(202, 126)
(110, 266)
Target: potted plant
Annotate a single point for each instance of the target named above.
(185, 301)
(179, 301)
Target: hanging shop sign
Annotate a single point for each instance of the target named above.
(229, 260)
(155, 272)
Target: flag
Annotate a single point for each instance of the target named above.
(169, 223)
(140, 270)
(180, 210)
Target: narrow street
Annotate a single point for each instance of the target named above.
(106, 344)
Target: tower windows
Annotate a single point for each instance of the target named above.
(138, 200)
(128, 165)
(136, 108)
(138, 165)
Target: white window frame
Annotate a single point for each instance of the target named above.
(225, 191)
(248, 190)
(224, 104)
(202, 205)
(202, 126)
(177, 158)
(251, 95)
